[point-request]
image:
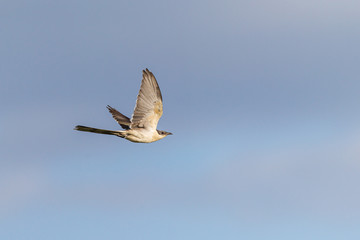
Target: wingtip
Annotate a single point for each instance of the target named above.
(146, 71)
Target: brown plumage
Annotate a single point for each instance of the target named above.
(147, 113)
(123, 120)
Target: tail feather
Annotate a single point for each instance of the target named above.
(97, 130)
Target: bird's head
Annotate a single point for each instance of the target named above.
(163, 133)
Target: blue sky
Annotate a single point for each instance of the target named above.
(262, 98)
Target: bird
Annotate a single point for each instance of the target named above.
(141, 128)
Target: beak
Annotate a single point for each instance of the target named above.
(169, 133)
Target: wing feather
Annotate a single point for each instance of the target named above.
(123, 120)
(148, 107)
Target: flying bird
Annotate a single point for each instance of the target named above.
(141, 128)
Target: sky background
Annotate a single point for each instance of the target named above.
(262, 98)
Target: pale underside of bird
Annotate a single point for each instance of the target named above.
(141, 128)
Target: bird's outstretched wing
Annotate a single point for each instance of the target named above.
(123, 120)
(149, 107)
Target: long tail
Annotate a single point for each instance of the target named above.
(97, 130)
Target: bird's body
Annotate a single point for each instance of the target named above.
(142, 135)
(141, 128)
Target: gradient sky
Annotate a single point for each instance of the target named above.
(262, 98)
